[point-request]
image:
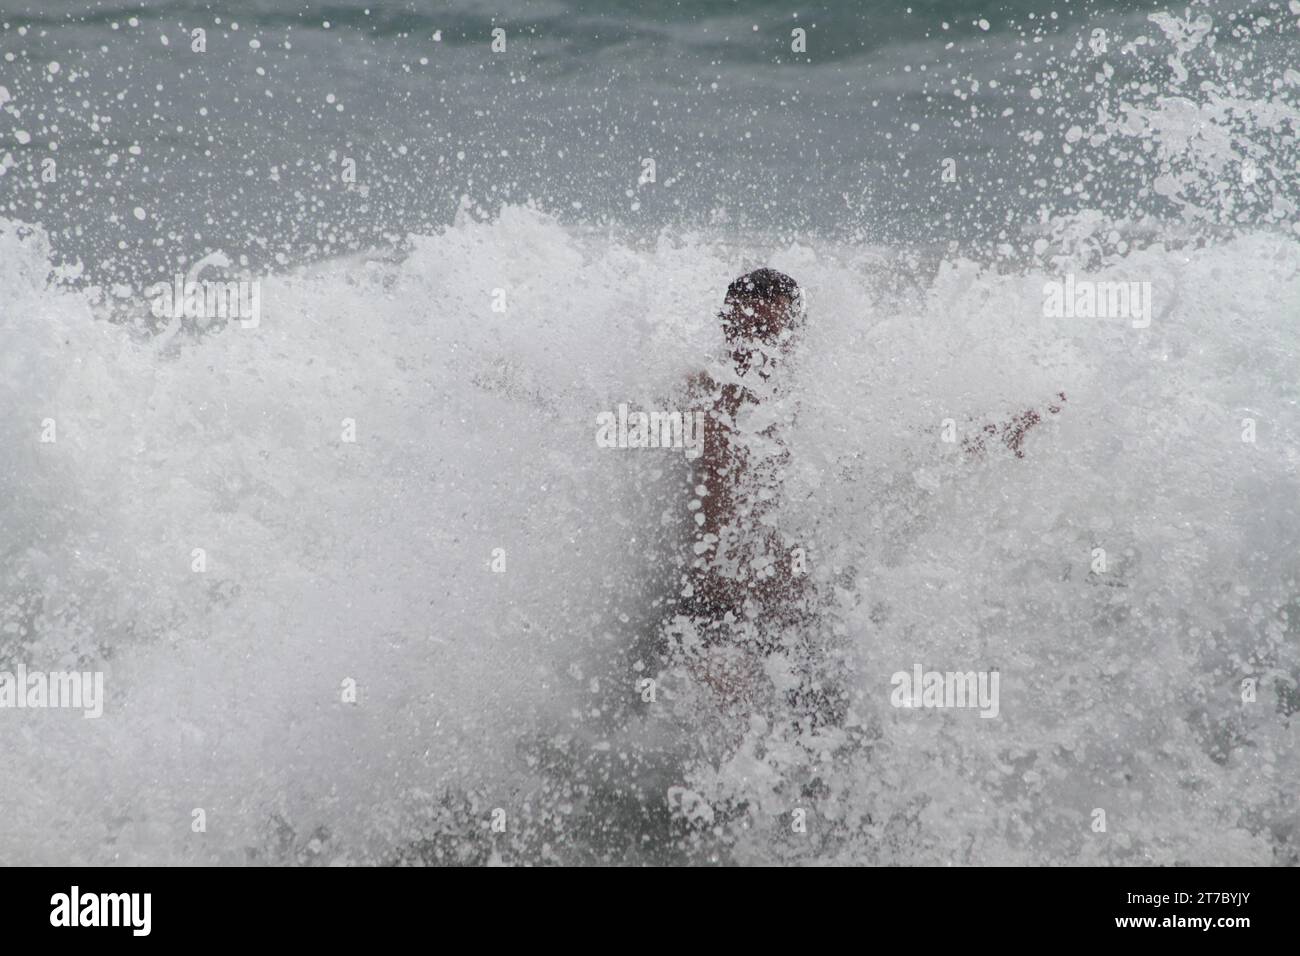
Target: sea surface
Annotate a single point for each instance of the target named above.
(420, 637)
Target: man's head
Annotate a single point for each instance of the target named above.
(760, 306)
(760, 316)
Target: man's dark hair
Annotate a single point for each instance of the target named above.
(759, 303)
(762, 285)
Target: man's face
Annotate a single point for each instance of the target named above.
(758, 320)
(759, 330)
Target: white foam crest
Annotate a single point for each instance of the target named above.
(475, 430)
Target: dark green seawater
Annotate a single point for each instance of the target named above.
(242, 147)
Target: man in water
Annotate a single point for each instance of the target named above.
(746, 591)
(745, 594)
(739, 565)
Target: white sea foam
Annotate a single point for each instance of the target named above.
(328, 560)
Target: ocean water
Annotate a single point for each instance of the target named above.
(1162, 150)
